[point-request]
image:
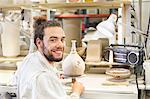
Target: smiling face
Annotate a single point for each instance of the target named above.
(52, 45)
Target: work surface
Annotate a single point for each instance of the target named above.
(94, 88)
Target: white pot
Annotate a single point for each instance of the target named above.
(73, 64)
(10, 38)
(146, 66)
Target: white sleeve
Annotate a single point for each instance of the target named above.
(48, 86)
(75, 96)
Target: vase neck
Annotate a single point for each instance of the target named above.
(73, 48)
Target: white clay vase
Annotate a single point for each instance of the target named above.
(73, 64)
(10, 38)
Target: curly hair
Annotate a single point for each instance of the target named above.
(40, 24)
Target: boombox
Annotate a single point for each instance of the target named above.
(122, 54)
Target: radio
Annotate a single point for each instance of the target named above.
(122, 54)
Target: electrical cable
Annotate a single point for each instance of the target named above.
(147, 32)
(144, 84)
(136, 79)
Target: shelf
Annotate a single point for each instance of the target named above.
(10, 7)
(103, 63)
(88, 5)
(83, 16)
(8, 66)
(11, 59)
(81, 5)
(61, 6)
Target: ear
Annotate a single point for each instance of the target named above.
(39, 43)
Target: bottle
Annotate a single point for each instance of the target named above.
(73, 64)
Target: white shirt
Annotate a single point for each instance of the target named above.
(37, 79)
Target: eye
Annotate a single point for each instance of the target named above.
(52, 40)
(63, 39)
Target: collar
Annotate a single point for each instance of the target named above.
(47, 65)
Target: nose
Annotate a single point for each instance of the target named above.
(60, 43)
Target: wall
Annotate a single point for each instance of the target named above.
(145, 12)
(145, 17)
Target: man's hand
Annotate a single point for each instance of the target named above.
(77, 87)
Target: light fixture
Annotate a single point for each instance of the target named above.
(108, 27)
(105, 29)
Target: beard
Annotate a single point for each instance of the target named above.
(49, 56)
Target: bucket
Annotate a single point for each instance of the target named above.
(146, 66)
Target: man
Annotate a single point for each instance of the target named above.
(37, 77)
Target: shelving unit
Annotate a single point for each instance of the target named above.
(85, 5)
(124, 4)
(95, 5)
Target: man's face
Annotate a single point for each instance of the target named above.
(53, 43)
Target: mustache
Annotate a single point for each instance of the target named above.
(58, 49)
(54, 49)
